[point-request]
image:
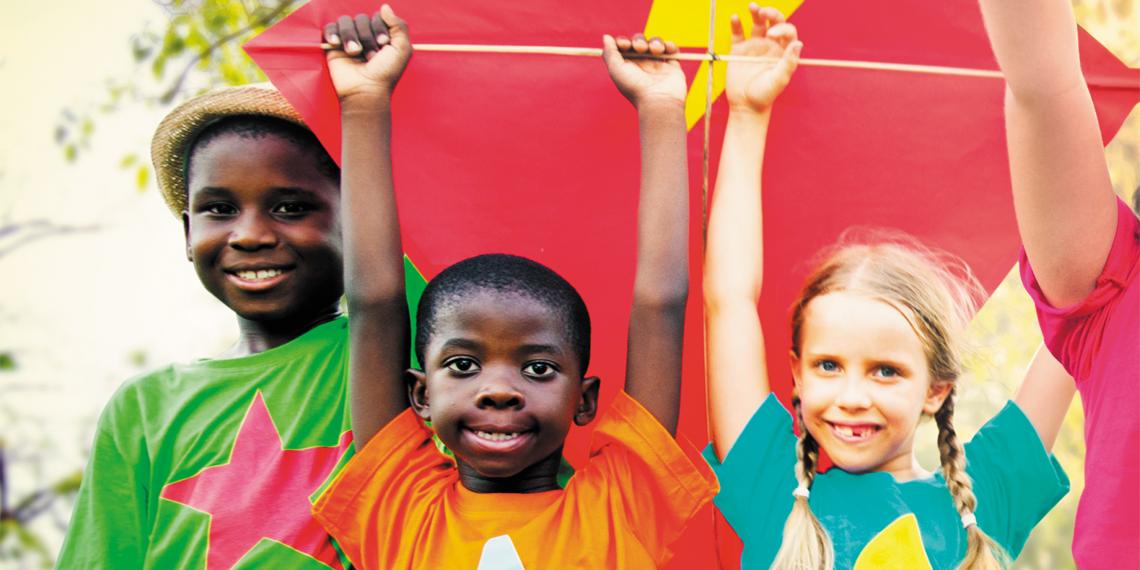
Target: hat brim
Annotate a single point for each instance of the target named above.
(170, 147)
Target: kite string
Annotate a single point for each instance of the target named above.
(707, 124)
(711, 54)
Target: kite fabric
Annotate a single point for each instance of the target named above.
(537, 155)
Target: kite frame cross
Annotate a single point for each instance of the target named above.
(710, 56)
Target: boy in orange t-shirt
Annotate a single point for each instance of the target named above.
(504, 343)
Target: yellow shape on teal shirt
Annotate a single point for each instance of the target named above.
(898, 546)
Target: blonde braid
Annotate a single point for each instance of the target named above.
(806, 544)
(982, 553)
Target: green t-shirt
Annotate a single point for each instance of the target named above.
(216, 463)
(874, 520)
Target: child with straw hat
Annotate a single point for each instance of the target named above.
(214, 462)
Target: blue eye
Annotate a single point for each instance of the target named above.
(828, 365)
(540, 370)
(462, 366)
(885, 371)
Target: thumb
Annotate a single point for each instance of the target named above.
(397, 28)
(332, 55)
(610, 53)
(788, 62)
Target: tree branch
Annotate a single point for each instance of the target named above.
(3, 481)
(170, 93)
(19, 234)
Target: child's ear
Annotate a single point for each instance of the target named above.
(794, 361)
(186, 234)
(588, 404)
(417, 393)
(936, 394)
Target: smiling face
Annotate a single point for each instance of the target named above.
(263, 228)
(863, 380)
(501, 385)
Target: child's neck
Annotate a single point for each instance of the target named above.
(259, 336)
(908, 470)
(537, 478)
(915, 471)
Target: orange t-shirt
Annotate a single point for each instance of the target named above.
(399, 503)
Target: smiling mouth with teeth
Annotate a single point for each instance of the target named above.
(493, 436)
(258, 275)
(854, 433)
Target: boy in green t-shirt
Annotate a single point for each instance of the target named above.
(214, 463)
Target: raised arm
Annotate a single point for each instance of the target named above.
(734, 255)
(1045, 395)
(371, 54)
(1062, 194)
(661, 285)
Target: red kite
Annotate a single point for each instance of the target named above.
(537, 155)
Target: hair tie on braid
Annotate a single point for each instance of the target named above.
(805, 543)
(982, 553)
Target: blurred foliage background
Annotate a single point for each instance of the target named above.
(196, 46)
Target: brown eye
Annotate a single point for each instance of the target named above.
(218, 209)
(539, 370)
(462, 365)
(292, 208)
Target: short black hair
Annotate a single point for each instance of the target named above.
(261, 126)
(500, 272)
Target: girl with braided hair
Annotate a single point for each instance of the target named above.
(876, 346)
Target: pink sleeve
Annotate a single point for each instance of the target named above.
(1073, 333)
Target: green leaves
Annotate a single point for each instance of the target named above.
(73, 132)
(142, 177)
(131, 162)
(16, 539)
(196, 49)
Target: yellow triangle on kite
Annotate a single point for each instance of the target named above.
(687, 23)
(896, 547)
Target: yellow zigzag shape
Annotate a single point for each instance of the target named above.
(687, 23)
(898, 546)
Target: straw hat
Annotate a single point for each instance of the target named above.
(170, 148)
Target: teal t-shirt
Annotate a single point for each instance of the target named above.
(870, 516)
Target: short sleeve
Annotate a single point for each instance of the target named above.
(111, 509)
(646, 472)
(384, 491)
(1015, 479)
(1073, 333)
(758, 474)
